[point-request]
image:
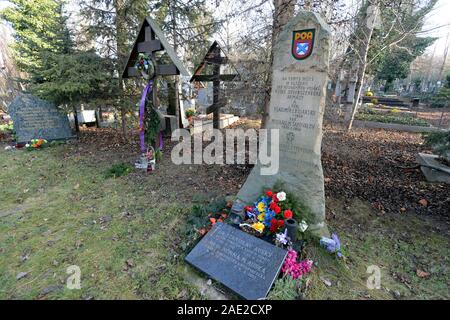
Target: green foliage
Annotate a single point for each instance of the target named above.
(442, 98)
(74, 78)
(190, 112)
(7, 127)
(197, 219)
(395, 45)
(389, 118)
(45, 51)
(193, 21)
(152, 125)
(39, 29)
(286, 288)
(439, 142)
(118, 170)
(292, 202)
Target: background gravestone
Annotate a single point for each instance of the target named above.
(299, 77)
(35, 118)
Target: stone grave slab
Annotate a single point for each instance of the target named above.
(35, 118)
(242, 262)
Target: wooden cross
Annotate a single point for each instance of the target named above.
(150, 40)
(213, 57)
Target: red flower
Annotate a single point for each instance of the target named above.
(277, 209)
(269, 193)
(275, 225)
(274, 198)
(288, 214)
(248, 208)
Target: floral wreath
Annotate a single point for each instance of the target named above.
(145, 66)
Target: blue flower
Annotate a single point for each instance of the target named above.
(269, 216)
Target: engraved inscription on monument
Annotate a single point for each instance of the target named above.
(245, 264)
(297, 102)
(34, 118)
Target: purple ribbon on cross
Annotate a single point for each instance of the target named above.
(147, 89)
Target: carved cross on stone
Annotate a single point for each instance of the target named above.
(214, 57)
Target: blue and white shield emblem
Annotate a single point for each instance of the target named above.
(303, 43)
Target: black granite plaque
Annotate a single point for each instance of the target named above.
(242, 262)
(35, 118)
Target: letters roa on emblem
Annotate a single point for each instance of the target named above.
(303, 43)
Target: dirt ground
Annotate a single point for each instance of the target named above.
(374, 165)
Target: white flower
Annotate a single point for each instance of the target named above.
(27, 145)
(281, 196)
(282, 237)
(303, 226)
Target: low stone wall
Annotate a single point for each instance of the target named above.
(394, 126)
(225, 121)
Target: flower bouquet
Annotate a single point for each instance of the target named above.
(267, 216)
(36, 144)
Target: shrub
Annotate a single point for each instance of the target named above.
(395, 110)
(7, 127)
(369, 94)
(190, 112)
(388, 118)
(439, 142)
(374, 101)
(118, 170)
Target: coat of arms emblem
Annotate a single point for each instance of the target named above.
(302, 43)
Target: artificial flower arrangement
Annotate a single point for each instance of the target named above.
(145, 66)
(36, 144)
(332, 245)
(268, 215)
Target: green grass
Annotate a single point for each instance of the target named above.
(398, 245)
(59, 210)
(62, 211)
(392, 118)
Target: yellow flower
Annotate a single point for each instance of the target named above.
(258, 227)
(261, 217)
(261, 207)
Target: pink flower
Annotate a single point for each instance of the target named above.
(293, 268)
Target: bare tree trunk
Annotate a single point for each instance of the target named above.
(121, 38)
(75, 117)
(367, 31)
(284, 11)
(175, 47)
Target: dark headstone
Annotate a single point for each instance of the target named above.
(242, 262)
(35, 118)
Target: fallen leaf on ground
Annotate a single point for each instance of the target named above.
(422, 274)
(423, 202)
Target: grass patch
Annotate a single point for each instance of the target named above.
(118, 170)
(58, 211)
(392, 118)
(129, 238)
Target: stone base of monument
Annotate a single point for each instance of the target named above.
(207, 124)
(433, 170)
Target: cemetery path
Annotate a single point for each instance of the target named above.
(128, 235)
